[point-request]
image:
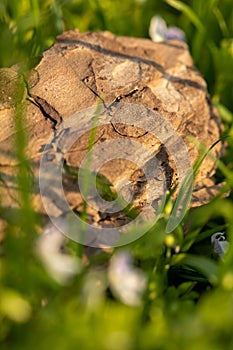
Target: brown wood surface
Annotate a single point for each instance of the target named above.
(79, 71)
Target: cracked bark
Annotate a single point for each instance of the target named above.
(47, 110)
(82, 69)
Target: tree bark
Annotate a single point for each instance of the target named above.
(82, 70)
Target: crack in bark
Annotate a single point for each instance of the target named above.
(163, 157)
(107, 52)
(126, 135)
(128, 94)
(48, 111)
(109, 108)
(85, 81)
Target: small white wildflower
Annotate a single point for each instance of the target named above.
(60, 266)
(126, 282)
(220, 244)
(158, 31)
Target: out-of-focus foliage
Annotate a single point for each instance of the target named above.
(183, 294)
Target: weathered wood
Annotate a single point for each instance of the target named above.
(82, 69)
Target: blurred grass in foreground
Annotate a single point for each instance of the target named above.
(188, 300)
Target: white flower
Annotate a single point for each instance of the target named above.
(126, 282)
(60, 266)
(159, 31)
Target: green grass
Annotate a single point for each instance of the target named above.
(188, 301)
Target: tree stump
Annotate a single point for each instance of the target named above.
(136, 81)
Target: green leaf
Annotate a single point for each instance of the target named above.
(225, 113)
(187, 10)
(182, 203)
(201, 264)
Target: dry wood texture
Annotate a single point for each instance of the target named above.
(83, 69)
